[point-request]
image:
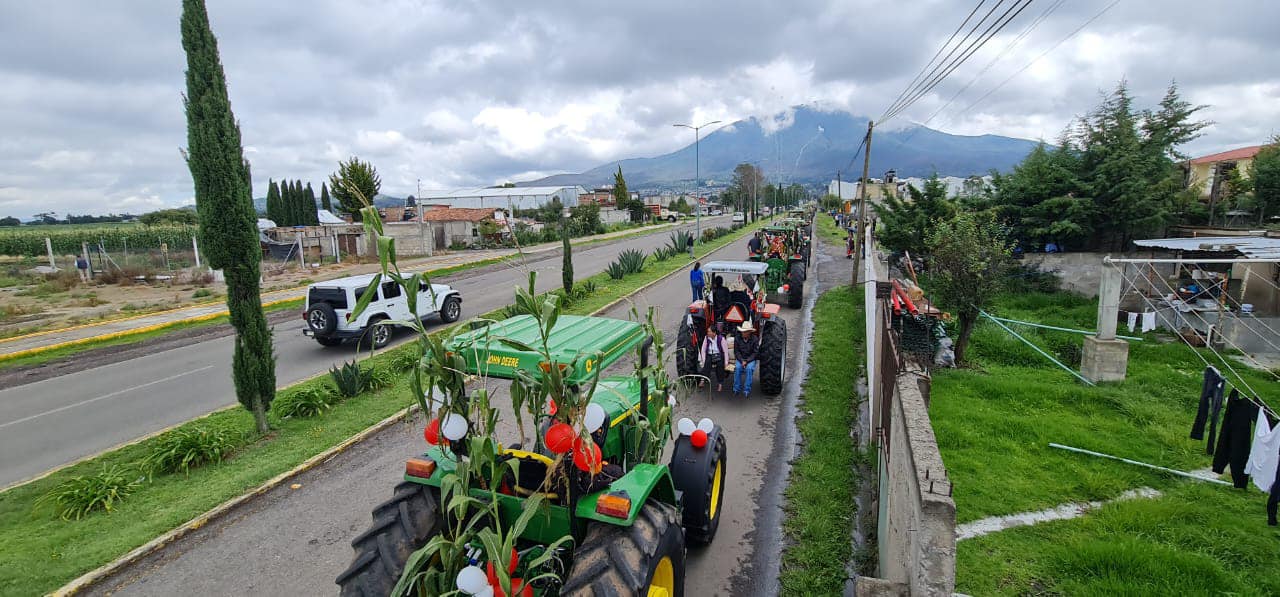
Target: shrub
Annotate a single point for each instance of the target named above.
(350, 378)
(585, 289)
(616, 271)
(379, 377)
(631, 260)
(186, 448)
(307, 402)
(201, 293)
(1029, 278)
(78, 497)
(406, 359)
(661, 254)
(677, 243)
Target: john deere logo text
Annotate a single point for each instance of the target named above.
(503, 361)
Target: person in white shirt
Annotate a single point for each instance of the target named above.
(712, 357)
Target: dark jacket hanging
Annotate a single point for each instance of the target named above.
(1210, 406)
(1236, 439)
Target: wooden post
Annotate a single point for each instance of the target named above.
(195, 248)
(858, 246)
(48, 247)
(1108, 302)
(84, 250)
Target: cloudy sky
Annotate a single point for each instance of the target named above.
(462, 93)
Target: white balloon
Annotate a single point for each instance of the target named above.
(686, 426)
(706, 425)
(472, 580)
(780, 290)
(594, 417)
(671, 399)
(453, 426)
(487, 592)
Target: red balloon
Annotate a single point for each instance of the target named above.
(559, 438)
(587, 457)
(515, 561)
(698, 438)
(551, 407)
(432, 432)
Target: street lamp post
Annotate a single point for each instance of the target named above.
(697, 178)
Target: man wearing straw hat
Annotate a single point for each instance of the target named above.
(745, 352)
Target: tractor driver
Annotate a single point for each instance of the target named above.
(720, 300)
(777, 247)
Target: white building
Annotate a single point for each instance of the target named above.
(502, 198)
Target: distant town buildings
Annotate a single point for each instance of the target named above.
(504, 197)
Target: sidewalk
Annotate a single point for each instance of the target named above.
(41, 341)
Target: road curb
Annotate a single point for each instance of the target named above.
(93, 577)
(151, 328)
(129, 332)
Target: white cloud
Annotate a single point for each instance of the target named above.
(472, 93)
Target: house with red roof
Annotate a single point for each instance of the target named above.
(1208, 172)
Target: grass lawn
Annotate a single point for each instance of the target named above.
(820, 496)
(39, 552)
(994, 422)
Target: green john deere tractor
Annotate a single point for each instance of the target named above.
(590, 508)
(785, 247)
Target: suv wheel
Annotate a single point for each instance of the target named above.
(451, 310)
(379, 334)
(321, 318)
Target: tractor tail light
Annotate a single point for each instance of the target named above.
(419, 467)
(617, 505)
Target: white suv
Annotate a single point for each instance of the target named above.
(328, 307)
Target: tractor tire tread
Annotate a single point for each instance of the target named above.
(616, 561)
(773, 349)
(400, 526)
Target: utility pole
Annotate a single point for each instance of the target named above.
(858, 246)
(697, 177)
(839, 191)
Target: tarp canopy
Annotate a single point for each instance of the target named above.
(735, 267)
(328, 219)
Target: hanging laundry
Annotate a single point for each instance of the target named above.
(1236, 439)
(1210, 405)
(1133, 321)
(1148, 321)
(1265, 453)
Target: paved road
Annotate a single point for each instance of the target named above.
(50, 423)
(295, 542)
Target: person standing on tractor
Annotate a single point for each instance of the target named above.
(712, 356)
(746, 354)
(696, 281)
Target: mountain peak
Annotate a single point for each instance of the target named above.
(829, 139)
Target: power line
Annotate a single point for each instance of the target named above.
(935, 57)
(1017, 40)
(1042, 55)
(857, 153)
(991, 31)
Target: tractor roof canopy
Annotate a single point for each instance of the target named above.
(572, 336)
(735, 267)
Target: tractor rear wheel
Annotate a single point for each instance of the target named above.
(686, 350)
(699, 474)
(644, 559)
(401, 526)
(773, 357)
(795, 294)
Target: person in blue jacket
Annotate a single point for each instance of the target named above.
(696, 281)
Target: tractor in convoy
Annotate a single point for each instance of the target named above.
(785, 249)
(736, 294)
(589, 507)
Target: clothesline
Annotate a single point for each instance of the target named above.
(1252, 398)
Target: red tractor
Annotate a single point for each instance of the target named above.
(735, 294)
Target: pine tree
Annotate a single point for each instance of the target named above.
(309, 204)
(224, 202)
(273, 203)
(324, 198)
(1265, 174)
(355, 185)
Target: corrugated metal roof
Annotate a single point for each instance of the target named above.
(1253, 247)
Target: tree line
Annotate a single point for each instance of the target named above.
(290, 203)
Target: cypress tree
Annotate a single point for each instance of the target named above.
(324, 198)
(566, 267)
(309, 203)
(273, 203)
(224, 202)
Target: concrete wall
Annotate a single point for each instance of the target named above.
(917, 528)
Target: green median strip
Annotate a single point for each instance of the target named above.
(820, 494)
(40, 552)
